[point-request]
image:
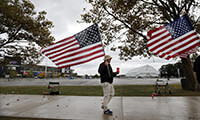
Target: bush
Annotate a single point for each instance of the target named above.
(13, 74)
(30, 74)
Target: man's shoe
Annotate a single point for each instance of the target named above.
(102, 107)
(108, 112)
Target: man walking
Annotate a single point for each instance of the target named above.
(106, 74)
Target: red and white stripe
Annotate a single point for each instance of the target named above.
(67, 52)
(184, 55)
(162, 44)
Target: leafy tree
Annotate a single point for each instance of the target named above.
(179, 67)
(167, 71)
(22, 30)
(128, 21)
(171, 70)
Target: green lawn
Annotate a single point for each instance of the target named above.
(120, 90)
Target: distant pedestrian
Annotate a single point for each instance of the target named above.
(106, 75)
(196, 68)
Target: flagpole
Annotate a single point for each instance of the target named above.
(103, 50)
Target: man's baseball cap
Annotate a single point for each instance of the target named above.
(107, 57)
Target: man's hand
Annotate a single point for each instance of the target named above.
(106, 63)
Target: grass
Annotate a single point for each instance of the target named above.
(120, 90)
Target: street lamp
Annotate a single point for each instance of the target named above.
(178, 70)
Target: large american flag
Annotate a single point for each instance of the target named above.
(77, 49)
(177, 38)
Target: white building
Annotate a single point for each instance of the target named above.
(145, 71)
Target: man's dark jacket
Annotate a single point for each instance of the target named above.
(104, 74)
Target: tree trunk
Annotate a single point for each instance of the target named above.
(190, 78)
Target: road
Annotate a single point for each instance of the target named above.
(81, 82)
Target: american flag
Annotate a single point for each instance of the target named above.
(177, 38)
(77, 49)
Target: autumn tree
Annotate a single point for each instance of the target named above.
(22, 29)
(128, 21)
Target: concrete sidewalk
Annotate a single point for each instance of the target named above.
(88, 108)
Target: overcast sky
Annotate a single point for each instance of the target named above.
(64, 15)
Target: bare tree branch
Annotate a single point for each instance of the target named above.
(124, 23)
(150, 3)
(12, 37)
(160, 7)
(184, 6)
(175, 8)
(189, 5)
(167, 8)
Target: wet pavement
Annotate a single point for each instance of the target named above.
(89, 108)
(81, 82)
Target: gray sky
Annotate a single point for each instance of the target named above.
(64, 15)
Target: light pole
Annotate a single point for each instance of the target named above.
(178, 70)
